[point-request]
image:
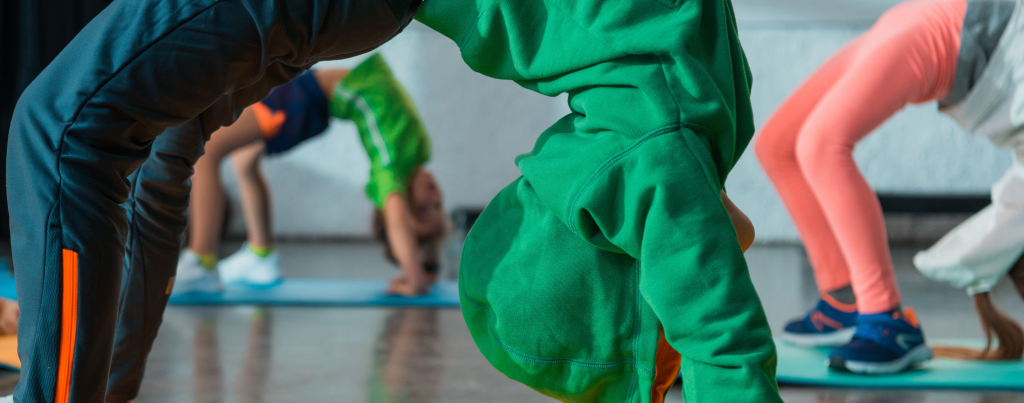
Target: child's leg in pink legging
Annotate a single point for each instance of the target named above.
(776, 149)
(908, 56)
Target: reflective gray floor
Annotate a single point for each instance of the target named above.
(245, 354)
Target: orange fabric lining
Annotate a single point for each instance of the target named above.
(269, 121)
(9, 351)
(910, 316)
(666, 369)
(68, 325)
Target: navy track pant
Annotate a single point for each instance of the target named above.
(137, 92)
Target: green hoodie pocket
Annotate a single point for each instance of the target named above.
(547, 308)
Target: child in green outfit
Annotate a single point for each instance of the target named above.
(408, 199)
(409, 219)
(613, 264)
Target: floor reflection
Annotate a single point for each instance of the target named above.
(409, 359)
(253, 381)
(208, 379)
(360, 355)
(796, 394)
(811, 395)
(207, 382)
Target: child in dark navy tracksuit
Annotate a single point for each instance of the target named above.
(137, 93)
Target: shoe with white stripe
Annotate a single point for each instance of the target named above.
(828, 324)
(884, 343)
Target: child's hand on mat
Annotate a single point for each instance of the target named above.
(9, 312)
(407, 287)
(396, 281)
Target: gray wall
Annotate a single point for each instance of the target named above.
(479, 125)
(918, 151)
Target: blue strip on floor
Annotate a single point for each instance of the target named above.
(7, 287)
(323, 292)
(800, 366)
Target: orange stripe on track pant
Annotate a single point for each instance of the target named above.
(68, 325)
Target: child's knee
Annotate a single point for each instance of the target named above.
(817, 153)
(745, 234)
(744, 228)
(248, 171)
(773, 149)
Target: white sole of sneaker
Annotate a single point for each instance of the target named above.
(248, 278)
(916, 356)
(258, 285)
(200, 288)
(836, 338)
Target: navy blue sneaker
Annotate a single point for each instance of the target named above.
(884, 343)
(828, 324)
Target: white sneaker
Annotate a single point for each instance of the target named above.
(249, 268)
(7, 399)
(193, 277)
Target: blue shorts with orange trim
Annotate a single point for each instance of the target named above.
(305, 113)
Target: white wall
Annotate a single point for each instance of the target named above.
(479, 125)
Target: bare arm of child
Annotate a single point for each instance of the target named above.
(744, 228)
(401, 235)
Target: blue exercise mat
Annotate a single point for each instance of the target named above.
(325, 292)
(308, 292)
(806, 366)
(7, 287)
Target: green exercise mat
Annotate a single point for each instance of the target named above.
(807, 366)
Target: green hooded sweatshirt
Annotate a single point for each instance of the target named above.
(616, 231)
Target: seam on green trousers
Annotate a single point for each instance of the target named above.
(622, 154)
(710, 173)
(573, 361)
(463, 41)
(671, 4)
(570, 16)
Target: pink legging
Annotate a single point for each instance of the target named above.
(806, 147)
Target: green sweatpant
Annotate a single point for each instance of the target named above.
(616, 230)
